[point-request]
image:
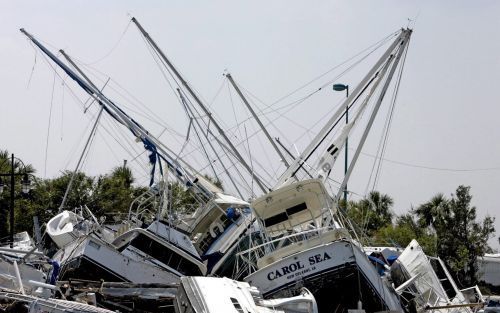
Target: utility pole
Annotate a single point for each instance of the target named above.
(12, 185)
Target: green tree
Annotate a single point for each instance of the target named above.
(45, 199)
(431, 214)
(371, 213)
(404, 231)
(460, 239)
(114, 193)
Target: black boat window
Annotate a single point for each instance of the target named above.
(296, 208)
(165, 255)
(237, 305)
(283, 216)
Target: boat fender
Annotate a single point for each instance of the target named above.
(56, 268)
(213, 227)
(232, 213)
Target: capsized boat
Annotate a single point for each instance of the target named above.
(123, 297)
(216, 229)
(213, 295)
(424, 283)
(92, 258)
(67, 226)
(159, 253)
(164, 246)
(23, 267)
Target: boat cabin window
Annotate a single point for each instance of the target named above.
(208, 239)
(283, 216)
(165, 255)
(237, 305)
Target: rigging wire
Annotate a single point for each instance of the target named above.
(113, 47)
(48, 126)
(33, 68)
(131, 99)
(234, 110)
(391, 114)
(82, 104)
(376, 44)
(176, 81)
(250, 157)
(434, 168)
(62, 107)
(77, 144)
(297, 102)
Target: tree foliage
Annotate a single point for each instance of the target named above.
(104, 194)
(371, 213)
(444, 227)
(460, 238)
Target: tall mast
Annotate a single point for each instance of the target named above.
(150, 142)
(323, 133)
(290, 154)
(401, 49)
(189, 112)
(92, 132)
(202, 106)
(231, 80)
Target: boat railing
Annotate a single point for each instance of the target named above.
(292, 242)
(145, 204)
(425, 294)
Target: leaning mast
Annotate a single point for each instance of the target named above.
(403, 45)
(264, 130)
(327, 128)
(200, 103)
(151, 143)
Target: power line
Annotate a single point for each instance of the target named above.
(434, 168)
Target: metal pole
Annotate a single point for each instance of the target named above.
(12, 185)
(283, 159)
(120, 116)
(202, 106)
(299, 161)
(402, 47)
(346, 140)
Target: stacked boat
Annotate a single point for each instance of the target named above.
(290, 249)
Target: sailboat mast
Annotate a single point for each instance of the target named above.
(92, 132)
(202, 106)
(189, 112)
(402, 48)
(299, 161)
(231, 80)
(123, 118)
(290, 154)
(73, 175)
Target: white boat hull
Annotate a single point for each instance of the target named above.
(106, 263)
(332, 272)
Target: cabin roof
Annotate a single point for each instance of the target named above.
(293, 204)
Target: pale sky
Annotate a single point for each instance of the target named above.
(445, 124)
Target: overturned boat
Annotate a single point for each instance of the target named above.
(213, 295)
(424, 283)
